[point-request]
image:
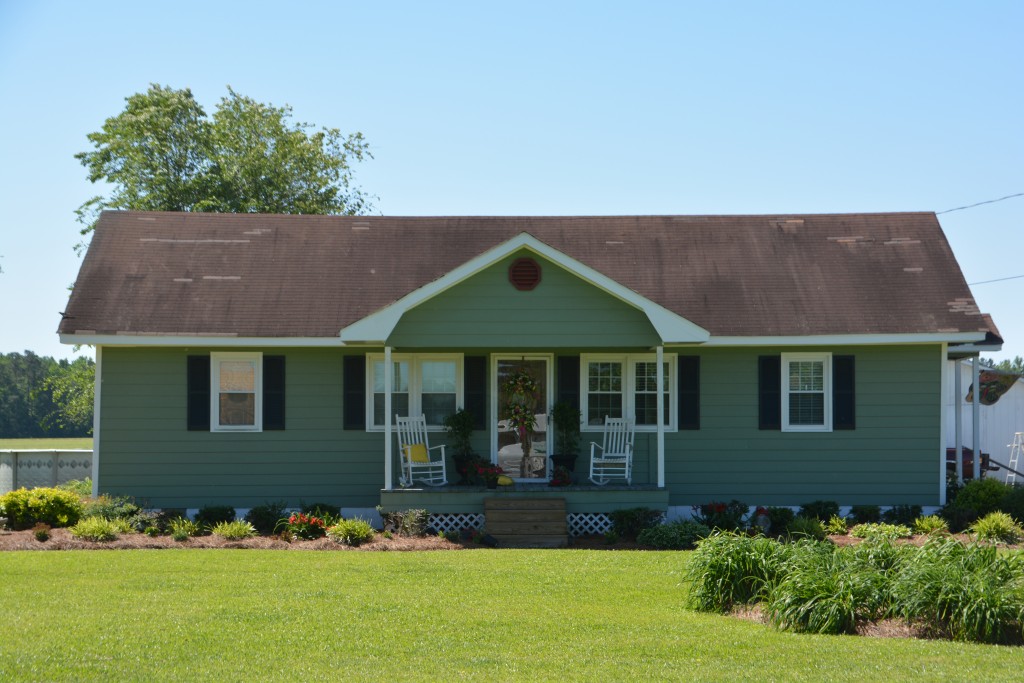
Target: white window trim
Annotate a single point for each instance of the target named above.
(826, 360)
(216, 358)
(629, 362)
(415, 381)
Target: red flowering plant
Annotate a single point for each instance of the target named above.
(489, 473)
(729, 516)
(560, 477)
(301, 525)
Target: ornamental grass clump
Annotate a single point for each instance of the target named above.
(837, 526)
(881, 531)
(182, 528)
(351, 532)
(966, 592)
(824, 589)
(997, 527)
(729, 569)
(805, 527)
(236, 530)
(931, 525)
(97, 529)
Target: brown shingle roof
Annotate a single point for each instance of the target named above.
(310, 276)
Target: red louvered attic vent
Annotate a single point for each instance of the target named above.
(524, 274)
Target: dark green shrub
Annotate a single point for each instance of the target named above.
(405, 522)
(805, 527)
(723, 516)
(970, 593)
(902, 514)
(151, 531)
(821, 510)
(729, 569)
(779, 519)
(212, 515)
(166, 516)
(680, 535)
(628, 523)
(351, 532)
(110, 507)
(1013, 503)
(981, 495)
(41, 532)
(26, 507)
(866, 514)
(958, 519)
(265, 517)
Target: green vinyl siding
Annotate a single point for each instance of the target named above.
(147, 451)
(892, 457)
(486, 311)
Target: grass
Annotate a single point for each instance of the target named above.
(83, 443)
(174, 615)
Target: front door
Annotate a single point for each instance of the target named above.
(520, 442)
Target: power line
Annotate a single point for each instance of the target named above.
(1002, 279)
(990, 201)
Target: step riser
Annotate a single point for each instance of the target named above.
(527, 523)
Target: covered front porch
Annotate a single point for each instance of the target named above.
(587, 507)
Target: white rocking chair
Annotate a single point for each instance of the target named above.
(615, 461)
(419, 461)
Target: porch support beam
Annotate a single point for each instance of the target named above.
(958, 421)
(388, 381)
(661, 414)
(976, 415)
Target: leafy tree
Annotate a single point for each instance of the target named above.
(27, 402)
(163, 153)
(71, 387)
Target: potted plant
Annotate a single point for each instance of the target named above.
(567, 430)
(459, 427)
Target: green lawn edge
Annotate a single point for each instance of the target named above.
(494, 615)
(77, 443)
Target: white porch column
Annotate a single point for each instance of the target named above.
(389, 370)
(976, 415)
(661, 415)
(97, 388)
(958, 422)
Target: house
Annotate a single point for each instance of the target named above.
(244, 358)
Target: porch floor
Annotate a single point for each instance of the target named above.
(578, 498)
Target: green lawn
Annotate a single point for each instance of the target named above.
(239, 615)
(48, 444)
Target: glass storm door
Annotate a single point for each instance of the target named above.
(522, 417)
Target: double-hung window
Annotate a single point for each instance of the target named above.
(428, 384)
(236, 396)
(627, 386)
(807, 392)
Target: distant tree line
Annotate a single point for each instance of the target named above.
(1015, 366)
(42, 397)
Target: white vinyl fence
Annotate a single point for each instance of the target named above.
(34, 468)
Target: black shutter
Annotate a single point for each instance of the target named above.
(689, 392)
(569, 380)
(198, 402)
(273, 393)
(843, 396)
(354, 383)
(769, 390)
(474, 388)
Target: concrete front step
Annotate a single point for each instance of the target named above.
(527, 522)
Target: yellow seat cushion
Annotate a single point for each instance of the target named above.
(505, 481)
(417, 452)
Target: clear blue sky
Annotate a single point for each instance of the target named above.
(548, 108)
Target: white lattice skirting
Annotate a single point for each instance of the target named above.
(456, 521)
(587, 523)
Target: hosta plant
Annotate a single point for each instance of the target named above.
(881, 530)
